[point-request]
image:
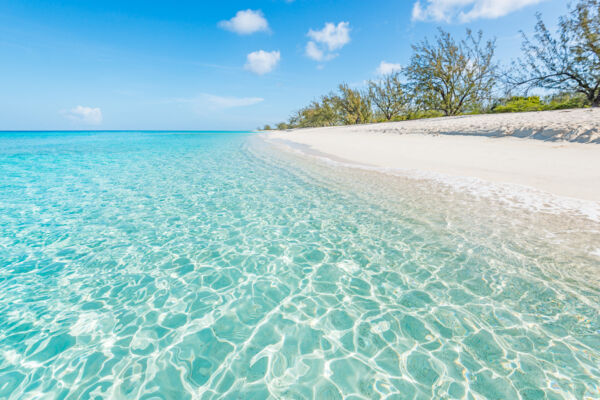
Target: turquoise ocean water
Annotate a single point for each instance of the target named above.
(186, 265)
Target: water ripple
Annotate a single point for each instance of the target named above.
(155, 266)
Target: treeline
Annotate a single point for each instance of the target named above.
(452, 77)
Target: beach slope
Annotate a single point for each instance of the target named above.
(554, 151)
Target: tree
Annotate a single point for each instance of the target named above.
(354, 105)
(388, 95)
(569, 62)
(324, 112)
(452, 77)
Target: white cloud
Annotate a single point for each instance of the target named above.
(261, 62)
(466, 10)
(246, 22)
(386, 68)
(313, 51)
(317, 53)
(86, 115)
(334, 37)
(325, 41)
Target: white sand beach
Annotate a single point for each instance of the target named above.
(554, 151)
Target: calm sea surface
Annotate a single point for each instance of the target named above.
(185, 265)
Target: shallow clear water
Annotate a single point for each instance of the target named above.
(196, 265)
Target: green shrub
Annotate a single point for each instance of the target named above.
(420, 114)
(559, 101)
(519, 104)
(562, 101)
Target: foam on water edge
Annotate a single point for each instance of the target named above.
(510, 194)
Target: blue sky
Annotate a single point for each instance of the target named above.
(216, 65)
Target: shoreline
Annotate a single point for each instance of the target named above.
(491, 148)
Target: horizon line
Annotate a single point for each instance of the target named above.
(128, 130)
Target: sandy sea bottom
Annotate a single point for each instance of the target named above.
(198, 265)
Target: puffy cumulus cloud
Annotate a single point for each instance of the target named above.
(333, 36)
(246, 22)
(325, 41)
(262, 62)
(466, 10)
(316, 53)
(313, 51)
(86, 115)
(386, 68)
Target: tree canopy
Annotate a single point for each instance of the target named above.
(569, 61)
(355, 105)
(389, 96)
(452, 77)
(323, 112)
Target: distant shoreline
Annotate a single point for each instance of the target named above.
(553, 151)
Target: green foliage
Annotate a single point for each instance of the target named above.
(348, 107)
(568, 62)
(324, 112)
(563, 100)
(388, 95)
(559, 101)
(355, 106)
(452, 77)
(519, 104)
(421, 114)
(267, 128)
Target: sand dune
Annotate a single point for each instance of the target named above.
(553, 151)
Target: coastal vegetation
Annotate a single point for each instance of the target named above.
(447, 77)
(559, 101)
(569, 62)
(389, 96)
(452, 77)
